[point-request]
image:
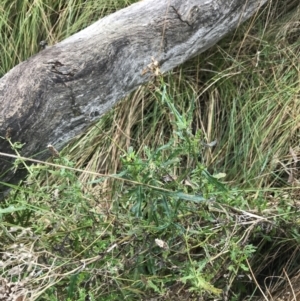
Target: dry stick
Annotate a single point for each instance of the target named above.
(253, 276)
(289, 281)
(83, 171)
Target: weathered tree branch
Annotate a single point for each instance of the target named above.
(57, 93)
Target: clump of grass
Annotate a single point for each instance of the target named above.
(172, 230)
(157, 221)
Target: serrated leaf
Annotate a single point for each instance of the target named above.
(11, 209)
(200, 283)
(188, 197)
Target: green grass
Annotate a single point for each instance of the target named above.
(189, 191)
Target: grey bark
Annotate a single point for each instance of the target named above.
(57, 93)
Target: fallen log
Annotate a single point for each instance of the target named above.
(60, 91)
